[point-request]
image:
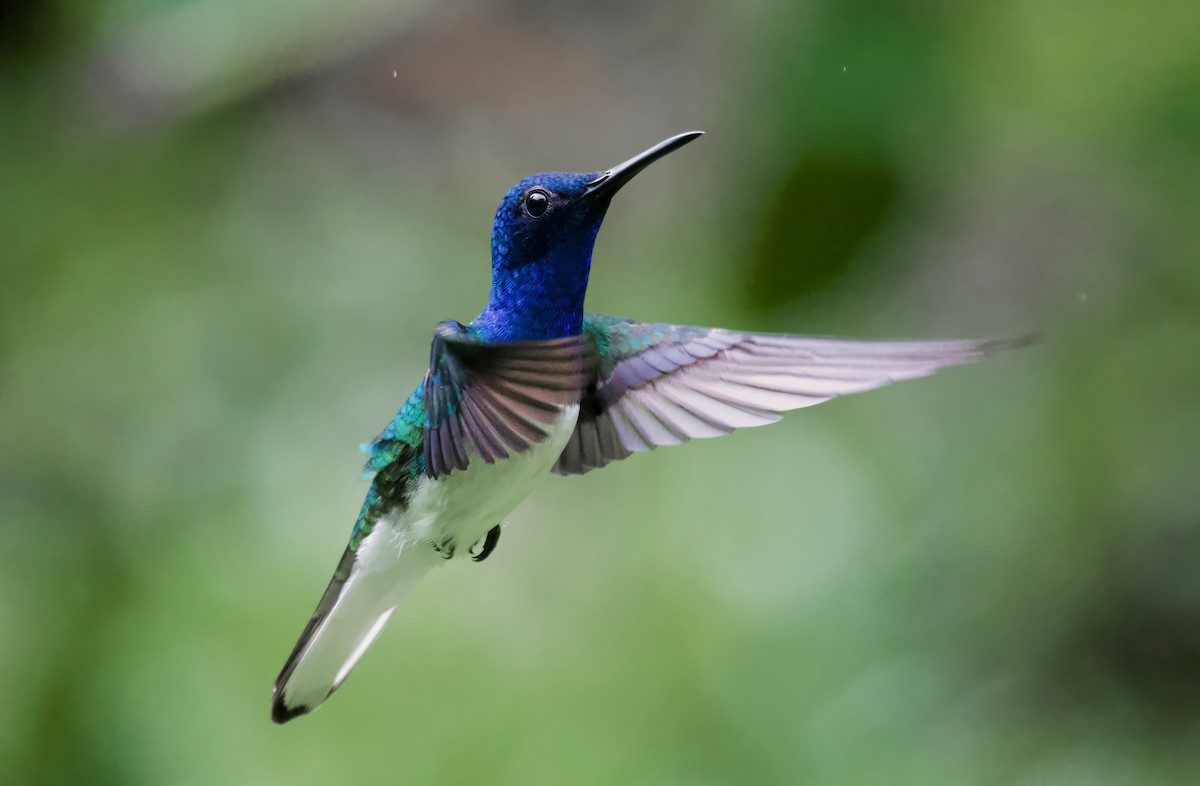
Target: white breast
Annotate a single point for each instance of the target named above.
(464, 505)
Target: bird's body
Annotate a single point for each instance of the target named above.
(535, 385)
(399, 540)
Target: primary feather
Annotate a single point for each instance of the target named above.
(653, 384)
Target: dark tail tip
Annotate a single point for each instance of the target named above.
(281, 713)
(993, 345)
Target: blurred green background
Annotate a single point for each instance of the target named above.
(227, 230)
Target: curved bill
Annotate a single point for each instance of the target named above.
(613, 179)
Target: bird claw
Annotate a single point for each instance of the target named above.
(445, 548)
(488, 542)
(486, 545)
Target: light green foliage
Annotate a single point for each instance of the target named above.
(228, 229)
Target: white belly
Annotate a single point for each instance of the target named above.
(464, 505)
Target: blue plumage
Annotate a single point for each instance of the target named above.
(540, 265)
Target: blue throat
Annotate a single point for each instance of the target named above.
(537, 301)
(539, 279)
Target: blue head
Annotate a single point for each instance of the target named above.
(542, 242)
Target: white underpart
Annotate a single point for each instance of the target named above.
(460, 507)
(363, 645)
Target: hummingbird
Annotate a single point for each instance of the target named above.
(535, 385)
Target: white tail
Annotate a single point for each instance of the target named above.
(352, 613)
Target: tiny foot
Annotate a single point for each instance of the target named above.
(445, 548)
(487, 545)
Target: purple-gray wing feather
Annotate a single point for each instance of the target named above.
(649, 385)
(493, 399)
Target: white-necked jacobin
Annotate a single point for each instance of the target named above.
(536, 385)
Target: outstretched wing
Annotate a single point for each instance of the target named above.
(493, 399)
(652, 384)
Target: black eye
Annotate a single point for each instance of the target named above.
(537, 202)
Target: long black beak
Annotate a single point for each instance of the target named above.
(613, 179)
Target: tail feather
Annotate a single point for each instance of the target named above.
(350, 616)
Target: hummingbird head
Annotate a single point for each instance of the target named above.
(542, 242)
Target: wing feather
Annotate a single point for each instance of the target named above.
(651, 384)
(493, 399)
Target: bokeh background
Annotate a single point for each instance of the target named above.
(227, 229)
